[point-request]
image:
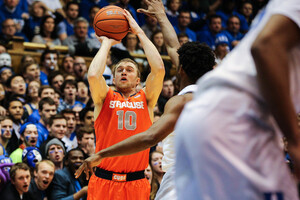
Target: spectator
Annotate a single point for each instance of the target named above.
(125, 4)
(222, 47)
(158, 40)
(29, 138)
(184, 19)
(91, 31)
(86, 140)
(43, 176)
(15, 111)
(44, 91)
(47, 108)
(148, 173)
(182, 38)
(157, 172)
(86, 5)
(9, 30)
(79, 43)
(70, 140)
(55, 152)
(166, 93)
(20, 181)
(247, 11)
(12, 10)
(56, 79)
(172, 11)
(5, 60)
(26, 59)
(37, 11)
(48, 34)
(48, 64)
(150, 26)
(6, 125)
(16, 85)
(65, 186)
(67, 64)
(80, 68)
(66, 27)
(69, 90)
(87, 117)
(5, 73)
(31, 72)
(209, 36)
(233, 31)
(57, 129)
(2, 48)
(31, 156)
(32, 97)
(83, 94)
(228, 9)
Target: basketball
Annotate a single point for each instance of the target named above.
(110, 22)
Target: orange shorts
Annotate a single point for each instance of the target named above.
(102, 189)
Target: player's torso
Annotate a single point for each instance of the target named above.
(119, 119)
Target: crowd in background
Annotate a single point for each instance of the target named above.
(46, 112)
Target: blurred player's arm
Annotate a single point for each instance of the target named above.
(98, 86)
(155, 78)
(270, 52)
(156, 133)
(156, 9)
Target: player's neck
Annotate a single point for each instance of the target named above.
(126, 93)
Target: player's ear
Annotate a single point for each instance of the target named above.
(138, 80)
(114, 81)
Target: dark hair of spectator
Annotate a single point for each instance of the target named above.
(84, 130)
(56, 117)
(67, 111)
(43, 21)
(68, 82)
(52, 75)
(71, 3)
(84, 111)
(9, 80)
(43, 87)
(46, 52)
(46, 100)
(15, 167)
(214, 16)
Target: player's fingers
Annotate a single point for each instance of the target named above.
(79, 170)
(86, 171)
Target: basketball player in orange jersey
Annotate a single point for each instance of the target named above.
(119, 115)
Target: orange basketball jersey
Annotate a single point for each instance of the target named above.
(118, 120)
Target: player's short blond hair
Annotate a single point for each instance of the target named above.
(127, 60)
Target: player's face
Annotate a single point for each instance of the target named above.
(59, 128)
(126, 76)
(44, 175)
(56, 153)
(21, 180)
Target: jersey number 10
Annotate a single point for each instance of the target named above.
(127, 121)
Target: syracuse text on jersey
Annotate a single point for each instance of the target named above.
(126, 104)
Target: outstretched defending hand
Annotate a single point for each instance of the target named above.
(88, 165)
(155, 7)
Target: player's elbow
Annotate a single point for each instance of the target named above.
(262, 45)
(151, 140)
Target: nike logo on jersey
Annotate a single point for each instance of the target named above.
(119, 104)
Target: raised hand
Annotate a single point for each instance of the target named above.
(134, 27)
(155, 7)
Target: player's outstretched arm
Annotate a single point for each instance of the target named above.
(96, 80)
(156, 9)
(157, 132)
(155, 78)
(270, 52)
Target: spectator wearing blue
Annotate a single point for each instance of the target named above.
(209, 36)
(222, 47)
(91, 30)
(172, 9)
(184, 19)
(11, 9)
(47, 108)
(66, 27)
(233, 31)
(228, 9)
(29, 138)
(48, 64)
(126, 5)
(65, 185)
(9, 30)
(86, 5)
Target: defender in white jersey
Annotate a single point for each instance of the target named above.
(228, 134)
